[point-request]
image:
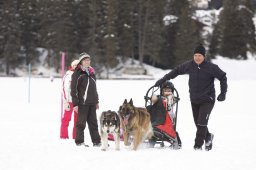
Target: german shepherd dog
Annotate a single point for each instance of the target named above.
(135, 122)
(109, 123)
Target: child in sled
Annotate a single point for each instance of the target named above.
(163, 115)
(167, 97)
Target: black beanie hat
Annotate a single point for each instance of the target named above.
(200, 49)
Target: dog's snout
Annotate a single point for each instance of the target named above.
(107, 131)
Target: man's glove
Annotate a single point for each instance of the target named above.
(66, 105)
(159, 82)
(221, 97)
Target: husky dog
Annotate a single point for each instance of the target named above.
(109, 123)
(136, 122)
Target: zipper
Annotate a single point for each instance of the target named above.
(92, 79)
(197, 78)
(77, 84)
(207, 116)
(86, 90)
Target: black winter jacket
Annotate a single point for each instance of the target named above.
(157, 112)
(201, 79)
(83, 88)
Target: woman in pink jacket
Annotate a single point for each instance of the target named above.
(68, 106)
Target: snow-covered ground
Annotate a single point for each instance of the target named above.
(30, 131)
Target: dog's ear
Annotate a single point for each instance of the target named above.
(131, 102)
(104, 114)
(115, 117)
(119, 110)
(125, 101)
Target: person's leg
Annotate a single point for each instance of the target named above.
(195, 110)
(93, 125)
(74, 128)
(81, 122)
(65, 123)
(202, 122)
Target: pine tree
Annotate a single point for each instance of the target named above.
(89, 20)
(215, 40)
(238, 31)
(181, 32)
(1, 31)
(126, 28)
(187, 35)
(154, 31)
(83, 14)
(143, 13)
(247, 14)
(232, 41)
(215, 4)
(30, 25)
(110, 36)
(148, 29)
(100, 30)
(10, 31)
(58, 30)
(167, 53)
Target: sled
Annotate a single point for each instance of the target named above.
(164, 127)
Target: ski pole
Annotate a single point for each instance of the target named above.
(29, 75)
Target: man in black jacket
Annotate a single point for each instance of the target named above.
(202, 93)
(85, 100)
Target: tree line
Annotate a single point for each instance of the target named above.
(107, 29)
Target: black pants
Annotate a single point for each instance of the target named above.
(87, 113)
(201, 114)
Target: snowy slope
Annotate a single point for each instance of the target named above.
(30, 131)
(238, 69)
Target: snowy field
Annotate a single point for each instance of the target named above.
(30, 131)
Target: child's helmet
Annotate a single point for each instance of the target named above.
(167, 84)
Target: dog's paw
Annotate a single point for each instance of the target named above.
(103, 149)
(127, 143)
(134, 148)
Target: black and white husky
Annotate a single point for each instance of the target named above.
(109, 123)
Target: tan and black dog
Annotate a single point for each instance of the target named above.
(135, 122)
